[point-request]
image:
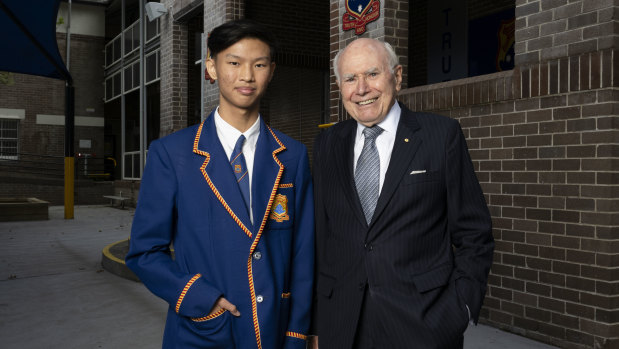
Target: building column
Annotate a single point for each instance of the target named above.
(174, 68)
(391, 26)
(216, 13)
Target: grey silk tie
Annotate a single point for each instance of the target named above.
(367, 173)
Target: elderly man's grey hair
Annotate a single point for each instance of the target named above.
(393, 59)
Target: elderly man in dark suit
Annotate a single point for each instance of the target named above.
(403, 233)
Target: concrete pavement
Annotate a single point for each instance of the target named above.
(54, 293)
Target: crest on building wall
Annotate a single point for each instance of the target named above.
(359, 13)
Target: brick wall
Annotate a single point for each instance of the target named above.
(545, 146)
(215, 14)
(550, 29)
(174, 69)
(39, 95)
(392, 26)
(294, 102)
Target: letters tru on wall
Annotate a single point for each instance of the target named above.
(447, 40)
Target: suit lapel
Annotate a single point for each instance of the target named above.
(218, 174)
(404, 148)
(344, 158)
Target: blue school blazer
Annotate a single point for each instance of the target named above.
(191, 203)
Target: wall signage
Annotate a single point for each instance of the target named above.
(359, 13)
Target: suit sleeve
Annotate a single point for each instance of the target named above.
(302, 271)
(320, 221)
(152, 233)
(469, 223)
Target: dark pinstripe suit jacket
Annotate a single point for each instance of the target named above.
(426, 253)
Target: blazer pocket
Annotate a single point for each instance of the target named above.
(428, 176)
(433, 278)
(217, 326)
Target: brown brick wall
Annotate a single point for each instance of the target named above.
(215, 14)
(39, 95)
(392, 26)
(550, 29)
(545, 147)
(174, 69)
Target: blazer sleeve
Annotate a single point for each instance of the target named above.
(469, 223)
(152, 232)
(302, 270)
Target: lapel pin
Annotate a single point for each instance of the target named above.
(406, 140)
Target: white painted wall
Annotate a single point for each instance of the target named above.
(85, 19)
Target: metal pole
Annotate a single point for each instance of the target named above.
(69, 159)
(123, 115)
(142, 93)
(69, 38)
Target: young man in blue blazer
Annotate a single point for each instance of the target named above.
(234, 199)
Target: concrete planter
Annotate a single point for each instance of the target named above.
(23, 209)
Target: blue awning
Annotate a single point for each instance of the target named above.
(28, 38)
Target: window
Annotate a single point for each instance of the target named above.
(132, 38)
(132, 77)
(113, 87)
(152, 66)
(8, 138)
(112, 51)
(152, 29)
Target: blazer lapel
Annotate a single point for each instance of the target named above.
(266, 175)
(344, 158)
(404, 148)
(218, 174)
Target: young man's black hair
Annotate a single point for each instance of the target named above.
(232, 32)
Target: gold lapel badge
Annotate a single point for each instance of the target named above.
(279, 212)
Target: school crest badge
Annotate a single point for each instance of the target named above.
(279, 210)
(359, 13)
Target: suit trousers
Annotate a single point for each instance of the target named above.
(369, 331)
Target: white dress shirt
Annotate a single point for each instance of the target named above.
(384, 141)
(228, 135)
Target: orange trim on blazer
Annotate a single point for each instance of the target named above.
(184, 291)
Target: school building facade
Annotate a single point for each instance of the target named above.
(533, 83)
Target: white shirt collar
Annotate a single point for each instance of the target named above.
(228, 134)
(389, 123)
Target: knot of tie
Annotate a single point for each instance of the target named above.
(371, 133)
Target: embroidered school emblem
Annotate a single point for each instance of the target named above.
(279, 212)
(237, 168)
(359, 13)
